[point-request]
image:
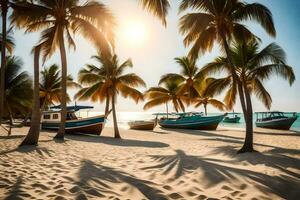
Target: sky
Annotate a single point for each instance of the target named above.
(153, 47)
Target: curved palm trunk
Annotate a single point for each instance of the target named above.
(245, 108)
(61, 132)
(3, 56)
(205, 109)
(248, 143)
(116, 129)
(33, 134)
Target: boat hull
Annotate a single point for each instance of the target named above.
(145, 125)
(280, 124)
(193, 122)
(93, 125)
(231, 119)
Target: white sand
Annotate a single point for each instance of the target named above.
(164, 164)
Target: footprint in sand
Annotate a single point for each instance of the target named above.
(225, 187)
(175, 196)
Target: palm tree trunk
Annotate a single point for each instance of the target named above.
(116, 129)
(245, 108)
(205, 109)
(33, 134)
(10, 123)
(61, 132)
(248, 143)
(3, 56)
(167, 110)
(107, 105)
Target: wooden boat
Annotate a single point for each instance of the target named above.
(232, 118)
(190, 120)
(142, 125)
(91, 125)
(275, 120)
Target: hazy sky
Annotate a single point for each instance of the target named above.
(154, 53)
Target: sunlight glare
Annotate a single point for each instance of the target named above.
(135, 33)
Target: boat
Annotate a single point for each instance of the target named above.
(232, 118)
(92, 125)
(142, 124)
(275, 120)
(189, 120)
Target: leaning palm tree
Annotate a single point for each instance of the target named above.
(189, 79)
(164, 94)
(18, 89)
(254, 67)
(109, 80)
(50, 90)
(221, 21)
(58, 20)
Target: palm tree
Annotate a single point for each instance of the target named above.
(5, 41)
(189, 78)
(58, 20)
(158, 8)
(221, 21)
(254, 67)
(91, 75)
(107, 81)
(164, 94)
(18, 89)
(50, 90)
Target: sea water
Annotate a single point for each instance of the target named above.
(124, 117)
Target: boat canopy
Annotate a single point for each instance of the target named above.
(72, 108)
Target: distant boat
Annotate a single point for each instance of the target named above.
(189, 120)
(232, 118)
(91, 125)
(142, 125)
(275, 120)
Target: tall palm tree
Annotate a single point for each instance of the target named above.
(109, 80)
(18, 89)
(221, 21)
(164, 94)
(189, 79)
(254, 67)
(50, 90)
(58, 20)
(4, 9)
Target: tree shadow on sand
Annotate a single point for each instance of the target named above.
(272, 158)
(99, 181)
(203, 133)
(16, 192)
(215, 172)
(7, 137)
(116, 142)
(42, 151)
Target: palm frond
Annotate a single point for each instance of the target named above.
(158, 8)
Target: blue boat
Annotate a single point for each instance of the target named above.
(91, 125)
(232, 118)
(275, 120)
(190, 120)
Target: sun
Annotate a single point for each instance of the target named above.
(135, 32)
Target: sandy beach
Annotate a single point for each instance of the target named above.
(164, 164)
